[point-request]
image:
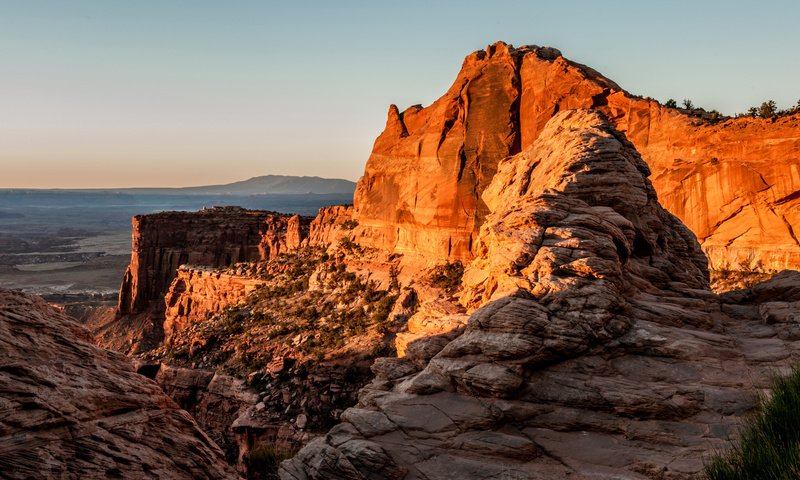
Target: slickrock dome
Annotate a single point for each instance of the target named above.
(596, 349)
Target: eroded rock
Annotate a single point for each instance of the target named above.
(595, 349)
(72, 410)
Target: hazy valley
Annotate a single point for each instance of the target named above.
(73, 245)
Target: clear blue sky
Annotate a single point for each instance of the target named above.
(101, 93)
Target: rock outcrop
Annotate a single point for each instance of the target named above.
(212, 237)
(595, 349)
(197, 293)
(71, 410)
(162, 242)
(215, 401)
(734, 183)
(330, 225)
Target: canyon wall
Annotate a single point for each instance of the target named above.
(197, 293)
(162, 242)
(213, 237)
(734, 183)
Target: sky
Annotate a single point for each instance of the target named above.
(116, 93)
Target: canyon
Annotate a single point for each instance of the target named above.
(520, 290)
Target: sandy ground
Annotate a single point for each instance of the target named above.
(93, 280)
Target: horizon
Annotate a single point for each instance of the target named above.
(111, 95)
(182, 187)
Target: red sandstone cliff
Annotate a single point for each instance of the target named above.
(196, 294)
(162, 242)
(736, 184)
(213, 237)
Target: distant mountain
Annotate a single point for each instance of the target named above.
(267, 184)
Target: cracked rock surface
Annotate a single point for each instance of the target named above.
(69, 409)
(594, 348)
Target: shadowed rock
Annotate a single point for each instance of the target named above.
(72, 410)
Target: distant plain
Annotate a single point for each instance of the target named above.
(74, 245)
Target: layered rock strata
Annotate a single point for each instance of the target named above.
(595, 349)
(734, 183)
(162, 242)
(212, 237)
(72, 410)
(197, 293)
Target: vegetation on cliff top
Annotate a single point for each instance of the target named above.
(769, 444)
(767, 109)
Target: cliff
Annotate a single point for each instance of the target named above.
(162, 242)
(198, 293)
(72, 410)
(330, 225)
(594, 349)
(213, 237)
(735, 184)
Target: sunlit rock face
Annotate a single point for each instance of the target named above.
(213, 237)
(735, 183)
(72, 410)
(595, 348)
(162, 242)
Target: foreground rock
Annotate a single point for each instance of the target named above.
(735, 182)
(72, 410)
(596, 349)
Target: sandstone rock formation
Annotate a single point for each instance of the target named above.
(734, 183)
(162, 242)
(215, 401)
(212, 237)
(196, 293)
(330, 225)
(595, 349)
(71, 410)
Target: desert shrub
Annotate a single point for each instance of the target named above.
(348, 245)
(687, 104)
(263, 461)
(349, 224)
(769, 441)
(382, 309)
(671, 103)
(447, 276)
(768, 109)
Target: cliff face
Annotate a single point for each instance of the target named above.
(735, 184)
(213, 237)
(330, 225)
(196, 293)
(72, 410)
(595, 349)
(162, 242)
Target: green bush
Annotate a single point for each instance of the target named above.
(447, 276)
(769, 442)
(349, 224)
(768, 109)
(263, 461)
